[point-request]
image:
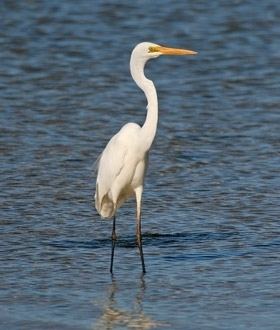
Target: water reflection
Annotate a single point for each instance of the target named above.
(132, 318)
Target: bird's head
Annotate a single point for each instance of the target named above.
(148, 50)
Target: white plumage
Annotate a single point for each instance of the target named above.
(123, 163)
(121, 170)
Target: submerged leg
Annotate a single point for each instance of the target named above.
(114, 237)
(138, 195)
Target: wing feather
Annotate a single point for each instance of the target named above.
(112, 162)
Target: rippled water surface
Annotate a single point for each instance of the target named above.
(211, 208)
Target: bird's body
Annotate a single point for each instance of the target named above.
(121, 170)
(123, 163)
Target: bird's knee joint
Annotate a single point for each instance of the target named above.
(139, 239)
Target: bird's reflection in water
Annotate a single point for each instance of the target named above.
(130, 318)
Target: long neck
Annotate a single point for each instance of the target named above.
(148, 130)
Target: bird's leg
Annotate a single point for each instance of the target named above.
(114, 238)
(139, 243)
(138, 195)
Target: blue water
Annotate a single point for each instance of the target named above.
(211, 228)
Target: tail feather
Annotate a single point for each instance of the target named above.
(107, 209)
(103, 205)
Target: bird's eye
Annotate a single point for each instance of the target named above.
(152, 49)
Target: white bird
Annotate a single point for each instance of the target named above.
(122, 165)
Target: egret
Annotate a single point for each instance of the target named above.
(122, 165)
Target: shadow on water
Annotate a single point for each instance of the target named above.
(113, 315)
(189, 246)
(149, 239)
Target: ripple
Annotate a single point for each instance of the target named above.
(211, 202)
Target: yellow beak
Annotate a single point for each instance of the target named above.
(171, 51)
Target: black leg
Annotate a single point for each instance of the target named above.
(139, 241)
(114, 237)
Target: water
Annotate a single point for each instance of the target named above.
(211, 202)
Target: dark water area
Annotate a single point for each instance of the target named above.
(211, 227)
